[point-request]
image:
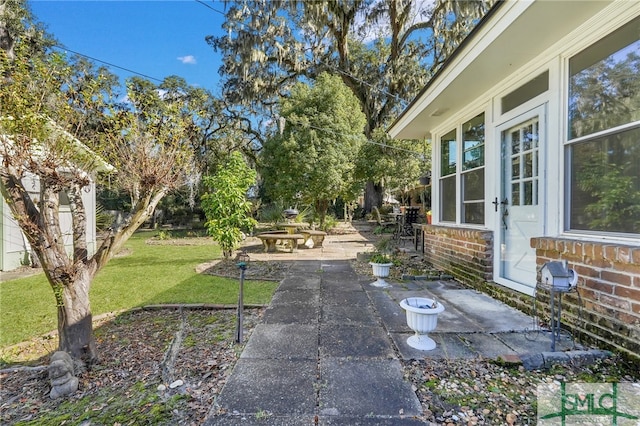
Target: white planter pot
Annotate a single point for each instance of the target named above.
(381, 271)
(422, 317)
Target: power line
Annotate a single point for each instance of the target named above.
(59, 46)
(324, 129)
(212, 8)
(359, 80)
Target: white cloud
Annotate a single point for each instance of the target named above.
(189, 59)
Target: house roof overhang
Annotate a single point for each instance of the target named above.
(512, 34)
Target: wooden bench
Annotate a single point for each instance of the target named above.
(269, 240)
(317, 237)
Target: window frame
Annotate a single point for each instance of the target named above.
(460, 173)
(599, 136)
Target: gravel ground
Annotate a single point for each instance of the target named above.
(140, 381)
(132, 383)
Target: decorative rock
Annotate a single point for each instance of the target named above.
(176, 384)
(162, 388)
(61, 371)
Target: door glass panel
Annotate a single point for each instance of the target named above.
(528, 193)
(527, 138)
(528, 165)
(515, 142)
(515, 194)
(515, 168)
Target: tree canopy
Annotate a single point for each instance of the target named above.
(384, 51)
(61, 125)
(312, 159)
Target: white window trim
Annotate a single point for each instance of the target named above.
(437, 134)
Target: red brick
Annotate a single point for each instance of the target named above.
(616, 277)
(586, 271)
(630, 268)
(588, 250)
(635, 308)
(588, 294)
(616, 302)
(635, 256)
(610, 252)
(627, 292)
(598, 262)
(578, 249)
(597, 251)
(628, 318)
(624, 254)
(599, 286)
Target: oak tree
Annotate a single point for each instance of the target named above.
(384, 51)
(312, 159)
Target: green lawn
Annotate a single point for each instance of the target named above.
(151, 274)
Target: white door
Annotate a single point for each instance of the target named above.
(519, 207)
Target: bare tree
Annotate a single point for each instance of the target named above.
(46, 103)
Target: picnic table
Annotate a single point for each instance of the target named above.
(292, 227)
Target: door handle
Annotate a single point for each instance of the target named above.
(504, 202)
(504, 218)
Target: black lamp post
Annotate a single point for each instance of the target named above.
(243, 259)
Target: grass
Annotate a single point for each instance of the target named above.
(151, 274)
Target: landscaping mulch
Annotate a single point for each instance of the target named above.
(166, 367)
(138, 380)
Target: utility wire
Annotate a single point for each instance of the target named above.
(61, 47)
(421, 154)
(359, 80)
(212, 8)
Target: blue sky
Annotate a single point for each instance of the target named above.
(155, 38)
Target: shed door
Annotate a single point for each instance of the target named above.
(520, 206)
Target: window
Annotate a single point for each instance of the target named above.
(473, 171)
(470, 168)
(603, 152)
(529, 90)
(448, 157)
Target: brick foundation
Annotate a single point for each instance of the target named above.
(605, 310)
(466, 254)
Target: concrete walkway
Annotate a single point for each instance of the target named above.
(330, 347)
(322, 353)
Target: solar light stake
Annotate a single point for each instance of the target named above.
(242, 258)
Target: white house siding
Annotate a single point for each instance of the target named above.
(503, 55)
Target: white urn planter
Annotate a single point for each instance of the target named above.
(422, 317)
(381, 271)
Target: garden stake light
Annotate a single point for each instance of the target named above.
(243, 259)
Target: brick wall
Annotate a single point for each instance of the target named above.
(605, 310)
(466, 254)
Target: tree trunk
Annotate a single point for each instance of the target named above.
(373, 194)
(75, 328)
